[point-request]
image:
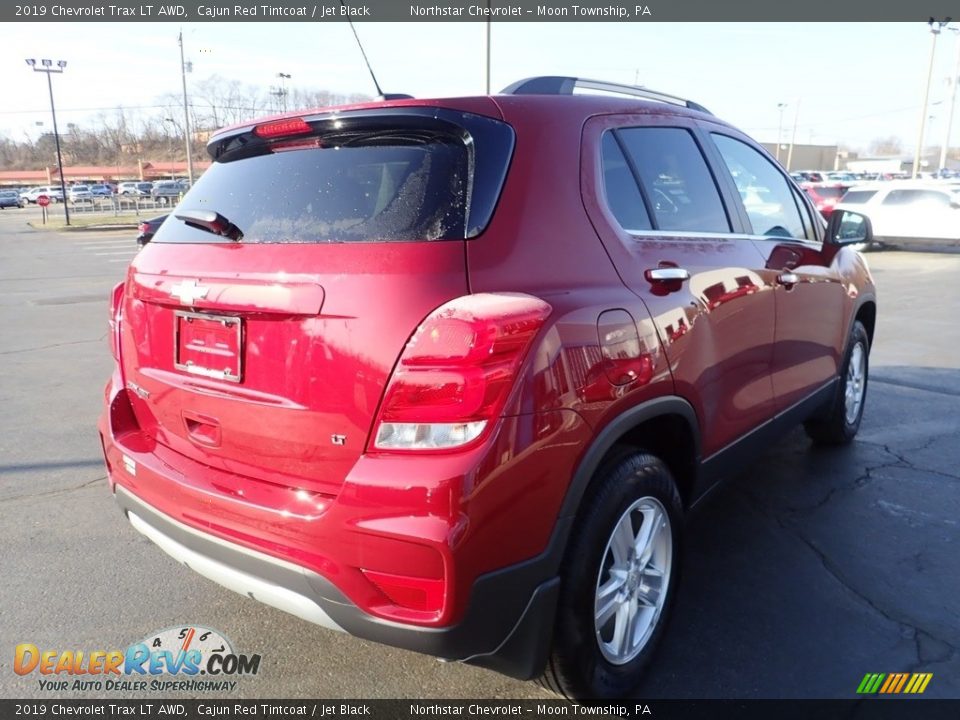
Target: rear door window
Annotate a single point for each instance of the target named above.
(675, 179)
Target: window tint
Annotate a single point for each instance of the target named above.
(407, 176)
(858, 196)
(676, 180)
(908, 197)
(830, 192)
(765, 192)
(620, 188)
(805, 218)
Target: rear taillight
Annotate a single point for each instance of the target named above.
(456, 372)
(116, 301)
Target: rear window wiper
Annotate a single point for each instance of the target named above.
(210, 221)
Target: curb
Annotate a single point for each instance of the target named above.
(84, 228)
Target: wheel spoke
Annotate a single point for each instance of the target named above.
(608, 597)
(622, 542)
(647, 537)
(621, 629)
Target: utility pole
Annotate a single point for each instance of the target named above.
(936, 26)
(953, 101)
(186, 110)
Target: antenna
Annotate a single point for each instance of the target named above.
(362, 52)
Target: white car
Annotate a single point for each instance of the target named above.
(53, 192)
(76, 193)
(905, 212)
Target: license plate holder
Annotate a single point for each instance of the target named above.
(208, 345)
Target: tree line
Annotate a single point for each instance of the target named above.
(124, 136)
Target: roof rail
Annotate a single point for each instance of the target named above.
(560, 85)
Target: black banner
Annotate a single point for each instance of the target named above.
(866, 709)
(475, 11)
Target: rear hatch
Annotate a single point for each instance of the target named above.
(261, 324)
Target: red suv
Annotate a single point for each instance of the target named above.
(447, 374)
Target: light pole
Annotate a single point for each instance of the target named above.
(936, 26)
(282, 92)
(781, 107)
(953, 101)
(46, 66)
(186, 111)
(793, 137)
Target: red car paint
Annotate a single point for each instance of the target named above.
(284, 461)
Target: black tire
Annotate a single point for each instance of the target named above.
(836, 426)
(578, 667)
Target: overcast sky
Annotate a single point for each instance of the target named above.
(853, 82)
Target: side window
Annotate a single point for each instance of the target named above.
(907, 197)
(806, 218)
(767, 196)
(676, 180)
(619, 187)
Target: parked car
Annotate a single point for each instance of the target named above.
(55, 193)
(101, 190)
(167, 191)
(138, 189)
(148, 228)
(448, 374)
(10, 198)
(79, 193)
(825, 195)
(908, 212)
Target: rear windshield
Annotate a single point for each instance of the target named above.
(830, 192)
(858, 196)
(418, 178)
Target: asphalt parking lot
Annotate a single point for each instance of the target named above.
(809, 570)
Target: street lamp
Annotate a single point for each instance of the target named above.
(781, 107)
(186, 109)
(46, 66)
(936, 26)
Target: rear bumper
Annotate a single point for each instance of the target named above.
(507, 627)
(493, 546)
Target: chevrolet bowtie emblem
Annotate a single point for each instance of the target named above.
(188, 292)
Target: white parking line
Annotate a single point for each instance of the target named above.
(105, 241)
(126, 259)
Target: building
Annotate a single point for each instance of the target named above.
(806, 157)
(100, 173)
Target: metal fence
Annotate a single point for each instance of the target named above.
(121, 205)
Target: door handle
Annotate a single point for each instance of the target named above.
(788, 278)
(667, 274)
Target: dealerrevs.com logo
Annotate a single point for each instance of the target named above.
(188, 658)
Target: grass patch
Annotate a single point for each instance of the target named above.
(56, 222)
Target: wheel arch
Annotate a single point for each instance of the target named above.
(666, 427)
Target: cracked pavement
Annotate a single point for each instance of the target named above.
(808, 570)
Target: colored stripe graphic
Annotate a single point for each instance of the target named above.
(871, 683)
(894, 683)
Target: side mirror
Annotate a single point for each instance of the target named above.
(848, 228)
